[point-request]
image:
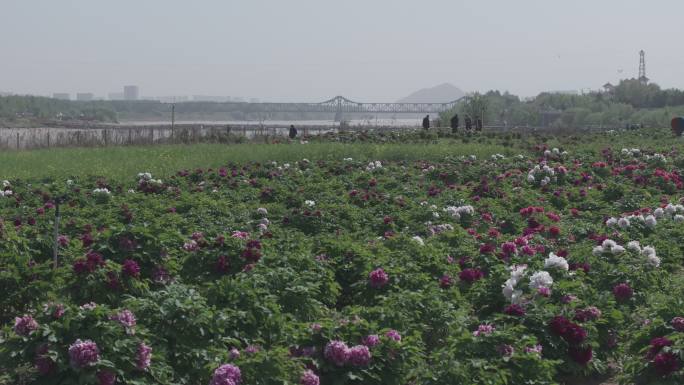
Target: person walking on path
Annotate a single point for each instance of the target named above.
(454, 123)
(426, 122)
(293, 131)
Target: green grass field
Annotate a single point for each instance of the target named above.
(123, 162)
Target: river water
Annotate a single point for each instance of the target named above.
(404, 122)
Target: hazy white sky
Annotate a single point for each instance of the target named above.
(311, 50)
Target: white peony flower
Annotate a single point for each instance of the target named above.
(623, 223)
(617, 249)
(634, 246)
(653, 261)
(611, 222)
(608, 244)
(650, 221)
(659, 213)
(540, 279)
(310, 203)
(679, 218)
(419, 240)
(554, 261)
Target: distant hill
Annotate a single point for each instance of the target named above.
(442, 93)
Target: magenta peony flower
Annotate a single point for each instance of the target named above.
(309, 378)
(251, 349)
(666, 363)
(131, 268)
(63, 240)
(470, 275)
(359, 355)
(226, 374)
(515, 310)
(337, 352)
(144, 356)
(393, 335)
(591, 313)
(126, 318)
(446, 281)
(509, 248)
(569, 331)
(544, 291)
(678, 323)
(483, 330)
(506, 350)
(106, 377)
(536, 349)
(378, 278)
(83, 354)
(371, 340)
(622, 292)
(222, 265)
(24, 325)
(44, 364)
(234, 354)
(581, 355)
(657, 344)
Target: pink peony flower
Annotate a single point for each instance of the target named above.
(240, 234)
(83, 354)
(337, 352)
(483, 330)
(371, 340)
(309, 378)
(125, 317)
(144, 356)
(393, 335)
(678, 323)
(359, 355)
(24, 325)
(378, 278)
(445, 281)
(44, 364)
(106, 377)
(226, 374)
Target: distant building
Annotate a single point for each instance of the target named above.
(208, 98)
(609, 88)
(173, 99)
(5, 94)
(85, 96)
(61, 96)
(565, 92)
(115, 96)
(131, 92)
(254, 100)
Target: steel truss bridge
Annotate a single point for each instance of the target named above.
(340, 104)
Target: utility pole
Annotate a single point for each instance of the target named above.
(173, 118)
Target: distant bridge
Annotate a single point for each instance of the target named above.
(340, 104)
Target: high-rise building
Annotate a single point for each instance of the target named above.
(61, 96)
(84, 96)
(131, 92)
